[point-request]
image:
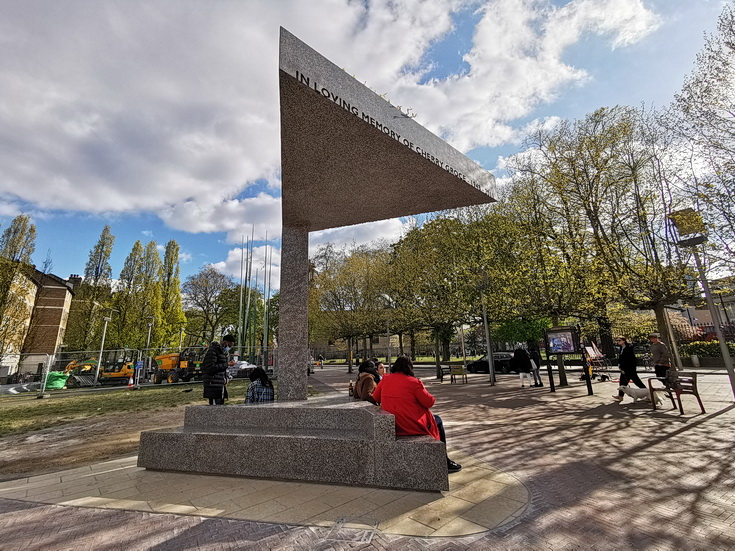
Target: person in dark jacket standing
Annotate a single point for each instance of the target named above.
(535, 356)
(521, 362)
(627, 364)
(214, 366)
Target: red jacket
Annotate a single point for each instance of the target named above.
(407, 399)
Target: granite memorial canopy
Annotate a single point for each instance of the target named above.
(349, 156)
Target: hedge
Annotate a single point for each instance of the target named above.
(710, 349)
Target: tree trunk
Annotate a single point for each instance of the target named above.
(560, 360)
(667, 334)
(445, 350)
(607, 346)
(661, 325)
(562, 372)
(436, 356)
(349, 354)
(412, 340)
(370, 340)
(400, 343)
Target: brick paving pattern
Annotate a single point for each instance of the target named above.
(602, 475)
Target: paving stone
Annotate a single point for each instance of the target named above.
(599, 476)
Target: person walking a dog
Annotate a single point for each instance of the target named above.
(627, 362)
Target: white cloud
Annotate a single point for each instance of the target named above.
(516, 64)
(237, 217)
(8, 209)
(261, 268)
(172, 106)
(359, 234)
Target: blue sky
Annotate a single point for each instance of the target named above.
(161, 118)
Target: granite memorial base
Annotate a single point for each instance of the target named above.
(346, 443)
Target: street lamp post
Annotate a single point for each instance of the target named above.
(147, 365)
(689, 222)
(722, 303)
(102, 348)
(715, 318)
(488, 344)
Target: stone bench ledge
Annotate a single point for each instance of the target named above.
(354, 445)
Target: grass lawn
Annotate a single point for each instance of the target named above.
(20, 414)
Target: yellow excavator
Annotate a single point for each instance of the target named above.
(82, 372)
(184, 366)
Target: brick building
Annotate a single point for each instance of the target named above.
(49, 298)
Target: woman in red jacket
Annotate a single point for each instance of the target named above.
(403, 395)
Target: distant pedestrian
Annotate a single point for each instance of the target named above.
(535, 356)
(214, 366)
(660, 355)
(627, 363)
(261, 387)
(521, 362)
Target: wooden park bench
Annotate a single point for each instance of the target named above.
(457, 371)
(453, 371)
(686, 384)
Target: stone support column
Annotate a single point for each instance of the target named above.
(293, 332)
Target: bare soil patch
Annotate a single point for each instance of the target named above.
(80, 443)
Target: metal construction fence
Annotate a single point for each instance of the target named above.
(23, 368)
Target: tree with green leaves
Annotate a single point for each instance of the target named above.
(85, 315)
(706, 109)
(151, 304)
(428, 261)
(137, 298)
(335, 296)
(609, 170)
(205, 307)
(173, 318)
(17, 244)
(127, 302)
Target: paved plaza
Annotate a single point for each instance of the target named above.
(542, 470)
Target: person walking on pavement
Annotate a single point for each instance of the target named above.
(660, 355)
(214, 366)
(521, 362)
(627, 362)
(535, 364)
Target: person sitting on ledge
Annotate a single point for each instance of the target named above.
(261, 387)
(367, 380)
(379, 367)
(404, 395)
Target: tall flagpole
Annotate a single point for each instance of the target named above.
(253, 332)
(240, 328)
(248, 278)
(265, 304)
(267, 311)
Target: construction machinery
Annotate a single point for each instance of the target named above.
(81, 372)
(116, 369)
(179, 366)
